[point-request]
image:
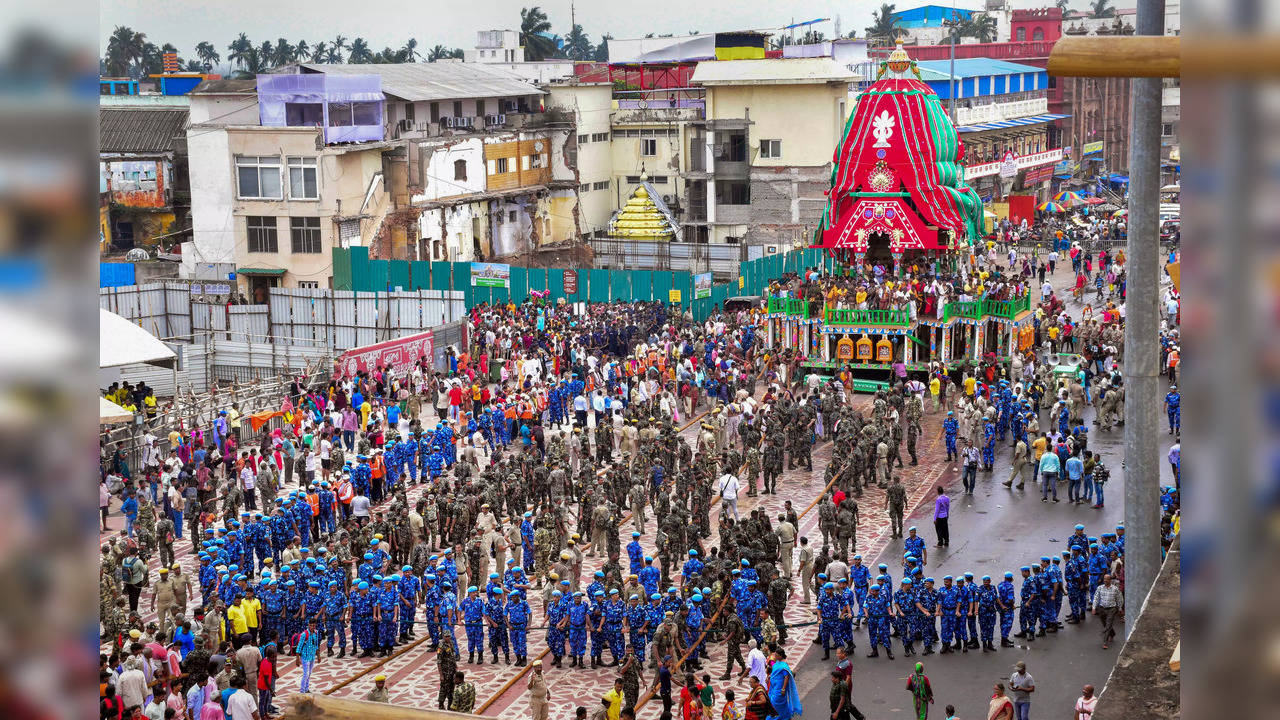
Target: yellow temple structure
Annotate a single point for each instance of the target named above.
(644, 216)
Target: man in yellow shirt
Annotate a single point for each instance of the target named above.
(970, 384)
(236, 618)
(935, 389)
(614, 698)
(251, 606)
(1038, 447)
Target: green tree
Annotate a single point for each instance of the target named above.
(267, 54)
(1101, 9)
(194, 66)
(335, 49)
(302, 51)
(1062, 4)
(980, 26)
(536, 46)
(283, 53)
(124, 50)
(884, 26)
(238, 50)
(601, 53)
(208, 55)
(152, 59)
(410, 51)
(252, 63)
(577, 46)
(320, 53)
(812, 37)
(360, 52)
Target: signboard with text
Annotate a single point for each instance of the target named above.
(1093, 147)
(1020, 162)
(1008, 165)
(401, 354)
(1035, 176)
(673, 296)
(494, 275)
(702, 286)
(570, 282)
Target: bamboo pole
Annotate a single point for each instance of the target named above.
(1122, 56)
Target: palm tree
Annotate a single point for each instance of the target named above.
(602, 50)
(336, 47)
(267, 54)
(981, 26)
(320, 52)
(1101, 9)
(1062, 4)
(252, 62)
(284, 52)
(152, 59)
(360, 52)
(812, 37)
(577, 46)
(884, 26)
(302, 51)
(536, 46)
(194, 66)
(239, 50)
(208, 55)
(410, 51)
(124, 49)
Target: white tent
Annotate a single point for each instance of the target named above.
(123, 343)
(110, 413)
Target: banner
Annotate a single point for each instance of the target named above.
(1093, 147)
(701, 286)
(673, 296)
(401, 354)
(1019, 162)
(570, 282)
(495, 275)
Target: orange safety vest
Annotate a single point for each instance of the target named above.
(313, 499)
(379, 468)
(345, 492)
(510, 411)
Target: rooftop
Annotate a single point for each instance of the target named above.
(975, 67)
(790, 71)
(140, 130)
(227, 86)
(418, 82)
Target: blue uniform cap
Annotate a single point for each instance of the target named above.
(613, 591)
(655, 596)
(874, 587)
(751, 582)
(746, 562)
(1056, 560)
(822, 576)
(693, 553)
(407, 568)
(374, 542)
(1025, 568)
(579, 594)
(906, 581)
(986, 578)
(1044, 558)
(946, 577)
(1008, 576)
(448, 551)
(928, 579)
(333, 583)
(599, 573)
(556, 593)
(311, 561)
(446, 584)
(313, 584)
(736, 571)
(368, 556)
(857, 557)
(430, 576)
(598, 593)
(883, 566)
(517, 569)
(394, 578)
(498, 591)
(843, 580)
(671, 590)
(635, 534)
(433, 558)
(493, 576)
(969, 575)
(528, 514)
(377, 578)
(648, 559)
(911, 529)
(697, 598)
(472, 588)
(244, 513)
(564, 583)
(290, 583)
(1079, 527)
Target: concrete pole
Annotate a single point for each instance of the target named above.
(1142, 327)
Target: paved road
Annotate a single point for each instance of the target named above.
(992, 531)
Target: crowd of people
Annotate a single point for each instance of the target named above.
(461, 502)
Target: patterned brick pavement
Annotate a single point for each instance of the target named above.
(413, 678)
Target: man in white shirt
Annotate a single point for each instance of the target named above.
(132, 686)
(240, 704)
(729, 493)
(757, 663)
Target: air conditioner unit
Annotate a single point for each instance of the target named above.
(667, 199)
(446, 121)
(510, 106)
(463, 121)
(495, 119)
(405, 125)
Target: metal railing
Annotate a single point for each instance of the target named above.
(789, 306)
(976, 309)
(836, 316)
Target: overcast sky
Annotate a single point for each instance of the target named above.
(388, 23)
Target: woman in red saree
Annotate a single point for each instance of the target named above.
(1001, 707)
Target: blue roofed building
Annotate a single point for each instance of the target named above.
(1011, 139)
(929, 16)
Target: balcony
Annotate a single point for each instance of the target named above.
(867, 317)
(1037, 49)
(789, 306)
(996, 112)
(977, 309)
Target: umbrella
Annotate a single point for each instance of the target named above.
(1067, 197)
(1095, 200)
(1106, 207)
(1122, 211)
(1051, 207)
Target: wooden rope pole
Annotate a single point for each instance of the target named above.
(1126, 56)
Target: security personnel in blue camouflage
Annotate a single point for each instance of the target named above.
(637, 618)
(987, 596)
(388, 612)
(495, 616)
(335, 617)
(948, 610)
(556, 619)
(903, 611)
(410, 590)
(614, 614)
(1029, 611)
(472, 608)
(950, 428)
(971, 614)
(361, 603)
(1173, 408)
(877, 607)
(518, 615)
(926, 602)
(1007, 603)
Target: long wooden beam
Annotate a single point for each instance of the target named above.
(1116, 56)
(306, 706)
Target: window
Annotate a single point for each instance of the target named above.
(658, 179)
(648, 147)
(303, 114)
(600, 137)
(302, 179)
(262, 234)
(602, 185)
(584, 139)
(511, 216)
(1166, 129)
(584, 187)
(457, 108)
(733, 193)
(500, 166)
(536, 161)
(304, 234)
(770, 148)
(346, 114)
(459, 169)
(258, 176)
(1038, 34)
(480, 108)
(409, 112)
(435, 112)
(309, 284)
(1022, 34)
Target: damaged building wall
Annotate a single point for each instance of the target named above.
(786, 203)
(456, 233)
(448, 168)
